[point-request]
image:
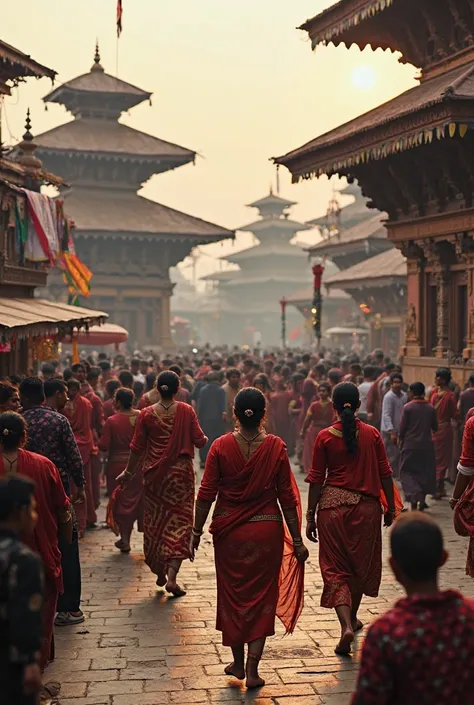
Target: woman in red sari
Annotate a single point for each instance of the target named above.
(259, 562)
(462, 500)
(444, 401)
(320, 415)
(54, 514)
(350, 469)
(165, 435)
(125, 504)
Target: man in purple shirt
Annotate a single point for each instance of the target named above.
(50, 434)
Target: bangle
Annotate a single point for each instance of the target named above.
(197, 533)
(298, 542)
(454, 500)
(310, 514)
(291, 521)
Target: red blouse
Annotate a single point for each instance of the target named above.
(225, 462)
(117, 435)
(152, 435)
(334, 465)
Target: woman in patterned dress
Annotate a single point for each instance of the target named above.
(349, 471)
(259, 562)
(166, 434)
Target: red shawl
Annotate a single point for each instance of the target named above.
(250, 493)
(51, 500)
(464, 512)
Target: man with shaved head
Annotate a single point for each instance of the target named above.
(421, 650)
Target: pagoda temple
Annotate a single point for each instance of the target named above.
(271, 269)
(128, 241)
(413, 158)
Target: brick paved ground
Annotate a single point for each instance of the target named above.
(139, 647)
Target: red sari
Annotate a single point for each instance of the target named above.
(349, 513)
(167, 445)
(446, 410)
(79, 412)
(115, 440)
(280, 402)
(126, 503)
(464, 509)
(51, 501)
(258, 576)
(322, 416)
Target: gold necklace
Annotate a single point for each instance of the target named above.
(249, 442)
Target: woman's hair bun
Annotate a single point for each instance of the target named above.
(249, 407)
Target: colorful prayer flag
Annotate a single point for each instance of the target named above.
(119, 17)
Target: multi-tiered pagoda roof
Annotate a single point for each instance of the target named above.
(99, 155)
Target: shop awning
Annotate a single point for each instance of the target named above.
(25, 318)
(108, 334)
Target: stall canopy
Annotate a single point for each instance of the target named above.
(28, 318)
(108, 334)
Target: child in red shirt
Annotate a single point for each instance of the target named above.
(421, 650)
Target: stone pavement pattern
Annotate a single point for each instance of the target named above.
(139, 647)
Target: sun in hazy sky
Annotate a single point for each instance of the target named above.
(363, 77)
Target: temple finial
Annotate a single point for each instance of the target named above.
(271, 189)
(27, 147)
(96, 66)
(28, 137)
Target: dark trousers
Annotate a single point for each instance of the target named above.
(11, 680)
(70, 600)
(213, 430)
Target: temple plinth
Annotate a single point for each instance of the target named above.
(128, 241)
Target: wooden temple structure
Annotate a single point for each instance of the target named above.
(29, 327)
(372, 272)
(414, 160)
(128, 241)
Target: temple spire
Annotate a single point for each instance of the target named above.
(97, 66)
(27, 147)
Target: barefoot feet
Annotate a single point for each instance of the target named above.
(174, 589)
(357, 625)
(235, 670)
(344, 646)
(253, 680)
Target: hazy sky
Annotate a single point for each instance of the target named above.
(234, 81)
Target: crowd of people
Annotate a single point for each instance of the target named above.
(128, 429)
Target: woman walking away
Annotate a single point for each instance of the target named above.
(350, 468)
(320, 415)
(259, 560)
(54, 516)
(117, 435)
(125, 503)
(165, 435)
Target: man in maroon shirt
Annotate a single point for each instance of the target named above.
(421, 650)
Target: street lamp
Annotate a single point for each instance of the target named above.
(283, 303)
(318, 271)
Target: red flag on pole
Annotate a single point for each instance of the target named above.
(119, 17)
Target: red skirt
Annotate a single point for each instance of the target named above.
(126, 506)
(470, 559)
(248, 562)
(350, 551)
(168, 514)
(443, 443)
